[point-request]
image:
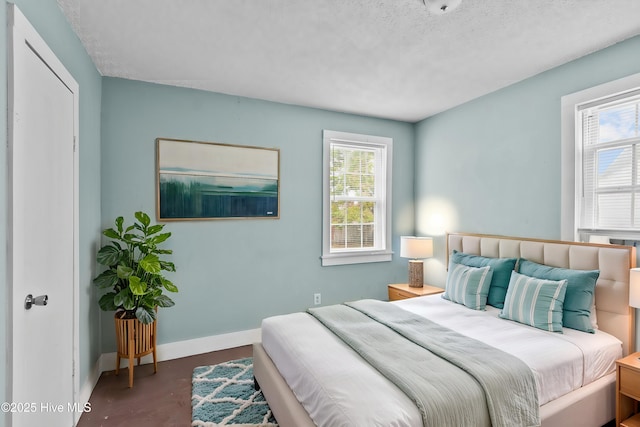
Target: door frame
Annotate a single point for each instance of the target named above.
(20, 31)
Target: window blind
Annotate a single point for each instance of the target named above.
(357, 183)
(610, 163)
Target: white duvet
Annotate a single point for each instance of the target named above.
(338, 388)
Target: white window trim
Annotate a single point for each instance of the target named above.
(360, 256)
(570, 149)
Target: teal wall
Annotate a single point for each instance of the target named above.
(46, 17)
(233, 273)
(492, 165)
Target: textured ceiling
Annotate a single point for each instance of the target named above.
(382, 58)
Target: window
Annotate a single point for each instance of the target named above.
(610, 197)
(356, 198)
(601, 161)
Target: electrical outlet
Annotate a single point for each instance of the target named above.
(317, 299)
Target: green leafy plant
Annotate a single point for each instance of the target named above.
(134, 269)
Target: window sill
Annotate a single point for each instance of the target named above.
(616, 234)
(355, 258)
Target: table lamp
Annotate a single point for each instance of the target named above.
(416, 248)
(634, 287)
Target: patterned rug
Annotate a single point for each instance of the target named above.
(224, 395)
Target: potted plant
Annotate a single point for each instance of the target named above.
(135, 278)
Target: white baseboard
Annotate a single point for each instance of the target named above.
(87, 388)
(175, 350)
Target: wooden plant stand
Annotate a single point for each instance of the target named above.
(135, 340)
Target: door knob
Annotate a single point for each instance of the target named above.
(30, 301)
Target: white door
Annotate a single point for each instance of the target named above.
(43, 232)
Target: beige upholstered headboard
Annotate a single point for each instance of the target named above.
(612, 289)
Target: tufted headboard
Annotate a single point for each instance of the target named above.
(612, 289)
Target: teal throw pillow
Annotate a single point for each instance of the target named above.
(535, 302)
(581, 286)
(501, 268)
(468, 285)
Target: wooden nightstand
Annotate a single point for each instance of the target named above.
(400, 291)
(628, 391)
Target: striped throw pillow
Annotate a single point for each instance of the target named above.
(578, 301)
(501, 269)
(535, 302)
(468, 285)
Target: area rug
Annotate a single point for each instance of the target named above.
(224, 395)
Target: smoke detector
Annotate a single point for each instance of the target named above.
(440, 7)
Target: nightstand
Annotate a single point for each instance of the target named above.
(628, 391)
(400, 291)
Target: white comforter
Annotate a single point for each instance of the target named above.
(337, 388)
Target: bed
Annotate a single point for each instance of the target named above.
(300, 360)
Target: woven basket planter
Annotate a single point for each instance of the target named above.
(135, 340)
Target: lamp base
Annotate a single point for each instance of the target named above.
(416, 275)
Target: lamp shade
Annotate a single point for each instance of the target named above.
(416, 247)
(634, 287)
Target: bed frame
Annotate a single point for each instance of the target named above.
(592, 405)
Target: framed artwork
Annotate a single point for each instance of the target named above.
(206, 180)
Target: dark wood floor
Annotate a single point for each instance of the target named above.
(160, 400)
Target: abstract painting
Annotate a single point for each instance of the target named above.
(206, 180)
